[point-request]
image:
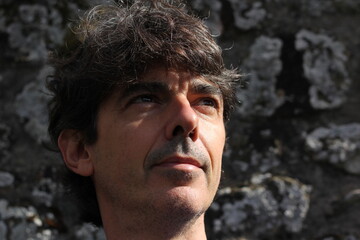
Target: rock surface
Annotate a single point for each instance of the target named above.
(292, 164)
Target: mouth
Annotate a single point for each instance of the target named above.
(180, 163)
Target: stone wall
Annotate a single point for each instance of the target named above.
(292, 164)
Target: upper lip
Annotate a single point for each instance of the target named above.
(180, 159)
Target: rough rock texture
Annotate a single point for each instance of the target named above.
(292, 164)
(265, 205)
(30, 106)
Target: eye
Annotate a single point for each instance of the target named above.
(145, 98)
(210, 102)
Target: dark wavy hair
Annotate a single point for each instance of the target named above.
(112, 46)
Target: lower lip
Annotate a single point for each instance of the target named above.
(179, 166)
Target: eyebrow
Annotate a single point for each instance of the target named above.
(205, 88)
(197, 87)
(152, 87)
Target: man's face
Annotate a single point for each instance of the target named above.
(160, 143)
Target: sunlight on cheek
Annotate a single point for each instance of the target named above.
(214, 142)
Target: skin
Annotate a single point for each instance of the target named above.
(156, 164)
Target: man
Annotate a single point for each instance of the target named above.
(138, 114)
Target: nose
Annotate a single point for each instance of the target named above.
(183, 120)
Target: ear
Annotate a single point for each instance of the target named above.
(75, 153)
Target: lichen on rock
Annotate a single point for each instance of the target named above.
(259, 161)
(6, 179)
(34, 28)
(260, 97)
(266, 204)
(324, 63)
(31, 106)
(338, 144)
(88, 231)
(247, 15)
(44, 192)
(24, 223)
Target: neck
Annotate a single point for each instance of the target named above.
(167, 230)
(154, 225)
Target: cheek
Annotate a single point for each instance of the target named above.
(119, 156)
(214, 141)
(218, 138)
(213, 138)
(129, 143)
(113, 149)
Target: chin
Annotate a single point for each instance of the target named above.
(188, 199)
(183, 192)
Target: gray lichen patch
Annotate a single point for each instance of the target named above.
(258, 161)
(337, 145)
(31, 106)
(34, 31)
(247, 15)
(260, 97)
(267, 203)
(23, 223)
(6, 179)
(89, 232)
(324, 62)
(44, 192)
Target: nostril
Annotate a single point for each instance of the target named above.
(178, 130)
(192, 134)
